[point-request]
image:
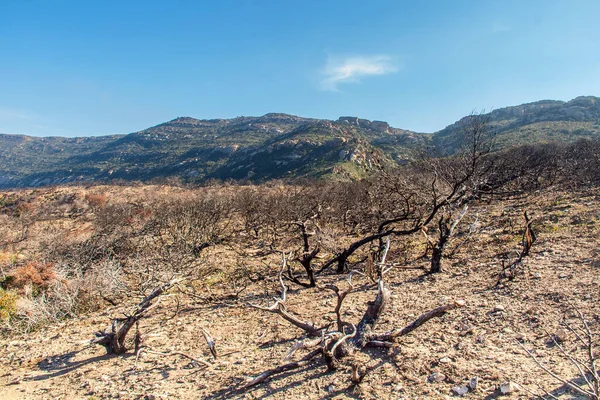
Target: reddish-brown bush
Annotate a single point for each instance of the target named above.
(37, 275)
(96, 201)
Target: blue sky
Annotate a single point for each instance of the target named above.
(78, 68)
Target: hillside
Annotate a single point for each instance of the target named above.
(538, 122)
(271, 146)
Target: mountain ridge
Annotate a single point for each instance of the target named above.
(272, 146)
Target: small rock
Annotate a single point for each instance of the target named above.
(498, 308)
(560, 335)
(508, 387)
(445, 360)
(460, 390)
(461, 346)
(16, 381)
(436, 377)
(521, 337)
(473, 383)
(563, 276)
(537, 275)
(398, 388)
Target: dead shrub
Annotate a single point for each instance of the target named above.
(102, 281)
(72, 291)
(96, 201)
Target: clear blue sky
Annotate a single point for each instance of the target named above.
(78, 68)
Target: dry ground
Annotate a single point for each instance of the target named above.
(479, 340)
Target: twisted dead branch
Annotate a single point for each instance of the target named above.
(279, 307)
(347, 338)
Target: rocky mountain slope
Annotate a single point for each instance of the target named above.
(257, 148)
(271, 146)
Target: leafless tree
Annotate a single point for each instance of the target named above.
(509, 271)
(446, 228)
(413, 199)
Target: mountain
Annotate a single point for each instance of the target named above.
(256, 148)
(541, 121)
(271, 146)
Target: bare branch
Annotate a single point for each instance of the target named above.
(279, 307)
(341, 341)
(211, 343)
(304, 344)
(113, 338)
(573, 386)
(283, 368)
(435, 313)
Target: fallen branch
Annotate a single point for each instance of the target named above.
(435, 313)
(113, 338)
(210, 342)
(283, 368)
(590, 376)
(174, 353)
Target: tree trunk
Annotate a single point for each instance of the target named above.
(306, 263)
(436, 260)
(437, 252)
(341, 263)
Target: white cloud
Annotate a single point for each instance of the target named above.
(350, 69)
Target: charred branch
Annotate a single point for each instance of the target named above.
(435, 313)
(279, 306)
(529, 237)
(113, 338)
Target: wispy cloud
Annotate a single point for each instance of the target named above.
(340, 70)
